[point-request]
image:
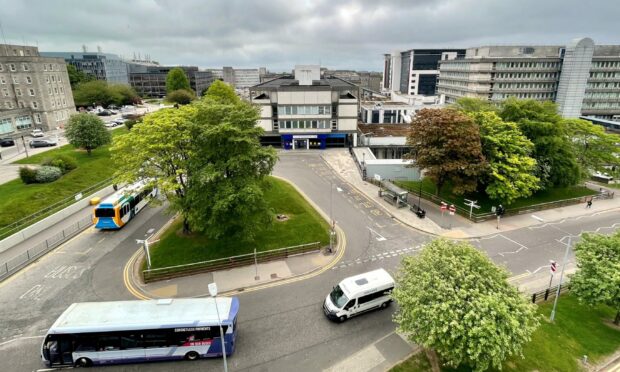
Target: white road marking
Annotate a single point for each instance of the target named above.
(33, 293)
(19, 338)
(379, 237)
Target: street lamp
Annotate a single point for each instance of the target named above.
(145, 243)
(364, 135)
(213, 292)
(557, 293)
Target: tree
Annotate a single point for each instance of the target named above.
(454, 300)
(229, 170)
(597, 280)
(540, 123)
(87, 131)
(76, 76)
(123, 94)
(177, 79)
(219, 91)
(159, 150)
(446, 144)
(92, 92)
(181, 96)
(510, 173)
(593, 148)
(470, 105)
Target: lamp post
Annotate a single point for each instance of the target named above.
(213, 292)
(557, 293)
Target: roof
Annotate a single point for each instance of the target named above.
(151, 314)
(121, 193)
(289, 81)
(384, 130)
(366, 281)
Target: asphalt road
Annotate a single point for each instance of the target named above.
(280, 328)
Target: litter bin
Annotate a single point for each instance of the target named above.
(380, 193)
(421, 213)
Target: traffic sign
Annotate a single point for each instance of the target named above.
(452, 209)
(553, 267)
(444, 206)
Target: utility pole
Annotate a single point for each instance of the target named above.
(25, 147)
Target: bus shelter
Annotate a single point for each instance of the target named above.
(393, 194)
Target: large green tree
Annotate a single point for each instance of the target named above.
(540, 123)
(99, 92)
(594, 148)
(511, 169)
(597, 280)
(470, 105)
(87, 131)
(76, 76)
(181, 96)
(446, 145)
(221, 92)
(230, 165)
(123, 94)
(177, 79)
(454, 300)
(159, 149)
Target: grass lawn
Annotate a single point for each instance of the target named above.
(578, 330)
(485, 203)
(18, 200)
(305, 225)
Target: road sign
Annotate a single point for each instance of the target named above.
(452, 209)
(444, 206)
(553, 267)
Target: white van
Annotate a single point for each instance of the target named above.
(358, 294)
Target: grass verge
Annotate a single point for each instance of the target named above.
(578, 330)
(18, 200)
(546, 196)
(304, 225)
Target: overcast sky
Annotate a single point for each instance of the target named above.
(278, 34)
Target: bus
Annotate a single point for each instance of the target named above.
(116, 210)
(100, 333)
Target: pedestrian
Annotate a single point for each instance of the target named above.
(589, 204)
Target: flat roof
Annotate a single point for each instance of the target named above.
(384, 130)
(289, 81)
(122, 192)
(151, 314)
(365, 281)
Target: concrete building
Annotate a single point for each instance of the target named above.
(239, 78)
(103, 66)
(395, 110)
(364, 79)
(581, 77)
(415, 71)
(307, 111)
(149, 80)
(34, 91)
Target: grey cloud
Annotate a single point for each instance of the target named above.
(279, 33)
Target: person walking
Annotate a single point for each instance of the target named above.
(589, 204)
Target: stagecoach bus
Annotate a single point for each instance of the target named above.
(116, 210)
(98, 333)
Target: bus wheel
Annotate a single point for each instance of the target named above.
(385, 304)
(83, 362)
(192, 355)
(342, 318)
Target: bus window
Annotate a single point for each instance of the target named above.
(155, 339)
(104, 212)
(130, 341)
(107, 343)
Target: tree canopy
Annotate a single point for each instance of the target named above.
(181, 96)
(219, 91)
(446, 144)
(510, 173)
(454, 300)
(597, 280)
(76, 76)
(87, 131)
(99, 92)
(177, 79)
(593, 147)
(470, 105)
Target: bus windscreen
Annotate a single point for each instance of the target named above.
(104, 212)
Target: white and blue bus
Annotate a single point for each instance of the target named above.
(99, 333)
(116, 210)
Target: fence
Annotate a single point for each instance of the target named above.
(227, 263)
(549, 293)
(24, 259)
(47, 211)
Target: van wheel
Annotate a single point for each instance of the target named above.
(342, 318)
(192, 355)
(385, 304)
(83, 363)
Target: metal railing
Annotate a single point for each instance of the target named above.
(549, 293)
(22, 260)
(227, 262)
(21, 224)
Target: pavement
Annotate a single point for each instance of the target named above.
(343, 164)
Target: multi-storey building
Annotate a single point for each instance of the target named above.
(307, 111)
(149, 80)
(364, 79)
(239, 78)
(103, 66)
(34, 91)
(581, 77)
(415, 71)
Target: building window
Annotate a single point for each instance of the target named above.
(25, 66)
(18, 92)
(44, 67)
(2, 80)
(23, 122)
(28, 80)
(35, 105)
(22, 104)
(37, 118)
(64, 102)
(59, 79)
(15, 81)
(55, 90)
(51, 67)
(53, 103)
(53, 78)
(47, 79)
(9, 104)
(1, 67)
(49, 90)
(31, 92)
(62, 90)
(6, 126)
(12, 67)
(6, 92)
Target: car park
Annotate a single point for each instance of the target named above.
(110, 124)
(104, 113)
(37, 133)
(7, 142)
(120, 121)
(42, 143)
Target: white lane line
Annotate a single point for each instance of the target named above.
(379, 237)
(20, 338)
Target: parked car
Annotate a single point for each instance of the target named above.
(37, 133)
(104, 113)
(42, 143)
(7, 142)
(110, 124)
(120, 121)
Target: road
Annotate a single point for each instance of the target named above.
(281, 327)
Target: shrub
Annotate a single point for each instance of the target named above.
(64, 162)
(130, 123)
(28, 175)
(181, 96)
(47, 174)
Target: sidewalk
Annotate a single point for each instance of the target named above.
(343, 164)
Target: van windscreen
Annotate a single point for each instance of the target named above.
(339, 299)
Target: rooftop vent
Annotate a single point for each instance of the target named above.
(361, 281)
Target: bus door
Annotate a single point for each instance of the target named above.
(59, 350)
